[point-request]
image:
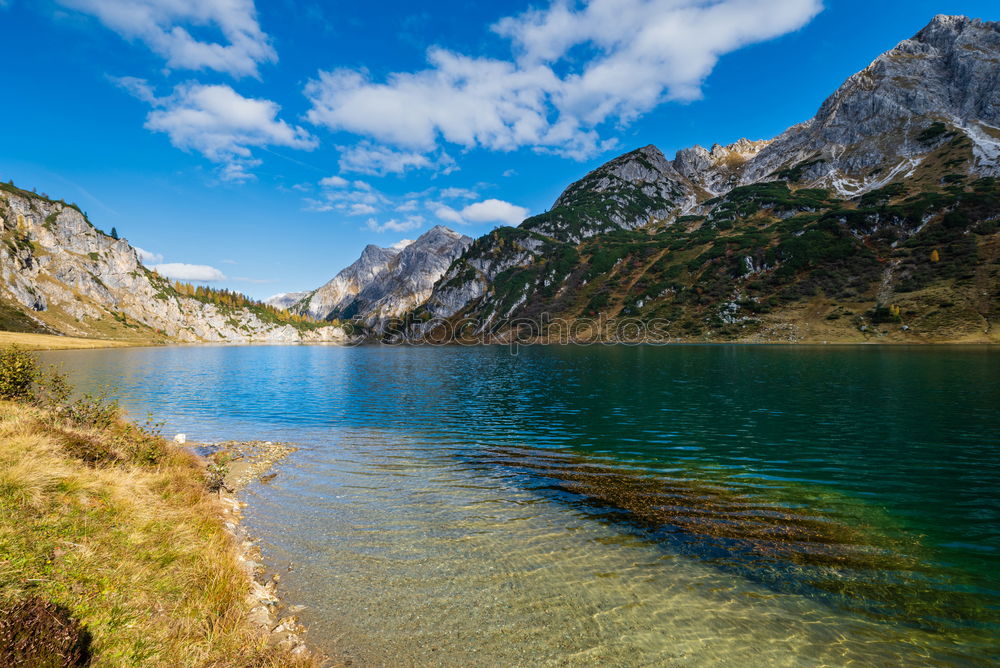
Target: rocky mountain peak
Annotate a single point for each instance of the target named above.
(436, 234)
(869, 130)
(717, 169)
(373, 253)
(645, 165)
(385, 282)
(627, 192)
(945, 29)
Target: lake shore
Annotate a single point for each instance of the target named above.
(112, 532)
(31, 341)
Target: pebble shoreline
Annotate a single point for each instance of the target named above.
(246, 462)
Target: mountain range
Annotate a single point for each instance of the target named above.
(876, 220)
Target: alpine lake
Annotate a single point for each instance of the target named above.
(610, 505)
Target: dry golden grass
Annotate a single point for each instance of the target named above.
(136, 551)
(53, 342)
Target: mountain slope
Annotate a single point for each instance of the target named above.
(60, 274)
(343, 289)
(877, 219)
(871, 129)
(384, 283)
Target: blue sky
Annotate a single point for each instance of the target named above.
(262, 144)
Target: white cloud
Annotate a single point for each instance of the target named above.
(360, 209)
(379, 160)
(219, 123)
(487, 211)
(334, 182)
(201, 273)
(146, 257)
(165, 27)
(368, 158)
(449, 214)
(401, 244)
(354, 198)
(495, 211)
(458, 193)
(395, 225)
(357, 198)
(574, 69)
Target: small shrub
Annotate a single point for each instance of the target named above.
(19, 370)
(883, 314)
(216, 472)
(52, 388)
(138, 444)
(91, 410)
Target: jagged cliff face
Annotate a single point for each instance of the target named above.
(886, 198)
(385, 283)
(717, 170)
(869, 132)
(342, 290)
(69, 278)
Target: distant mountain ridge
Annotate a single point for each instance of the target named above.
(383, 283)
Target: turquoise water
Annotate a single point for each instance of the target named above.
(690, 505)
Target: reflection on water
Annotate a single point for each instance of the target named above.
(694, 505)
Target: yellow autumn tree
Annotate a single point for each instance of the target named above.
(935, 256)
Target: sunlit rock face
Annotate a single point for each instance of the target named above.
(385, 283)
(948, 72)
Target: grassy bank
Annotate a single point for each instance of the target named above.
(111, 531)
(53, 342)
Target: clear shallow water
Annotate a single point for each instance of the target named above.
(689, 505)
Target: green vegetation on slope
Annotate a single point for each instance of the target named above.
(230, 300)
(914, 260)
(12, 319)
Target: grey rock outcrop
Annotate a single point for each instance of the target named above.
(717, 170)
(470, 277)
